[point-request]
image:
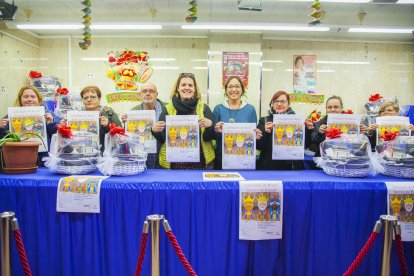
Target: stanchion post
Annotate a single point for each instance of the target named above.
(5, 243)
(389, 222)
(155, 243)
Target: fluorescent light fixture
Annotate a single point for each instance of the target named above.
(255, 28)
(166, 67)
(255, 63)
(94, 59)
(405, 2)
(49, 26)
(272, 61)
(380, 30)
(125, 27)
(161, 59)
(267, 69)
(93, 27)
(342, 62)
(199, 60)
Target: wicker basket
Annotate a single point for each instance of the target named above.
(398, 171)
(351, 169)
(129, 167)
(62, 169)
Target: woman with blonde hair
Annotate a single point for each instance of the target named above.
(186, 100)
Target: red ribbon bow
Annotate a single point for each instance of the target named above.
(62, 91)
(333, 133)
(35, 74)
(116, 130)
(349, 111)
(65, 131)
(389, 136)
(375, 97)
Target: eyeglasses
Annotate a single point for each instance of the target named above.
(184, 75)
(233, 86)
(92, 98)
(282, 102)
(145, 91)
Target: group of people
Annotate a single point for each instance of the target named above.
(186, 100)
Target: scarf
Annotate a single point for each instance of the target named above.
(184, 107)
(289, 111)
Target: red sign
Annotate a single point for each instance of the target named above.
(236, 64)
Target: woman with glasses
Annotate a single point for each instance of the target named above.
(386, 109)
(31, 96)
(186, 100)
(232, 110)
(91, 96)
(279, 104)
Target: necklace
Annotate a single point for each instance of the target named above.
(233, 116)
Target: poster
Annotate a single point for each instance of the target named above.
(236, 64)
(29, 119)
(85, 121)
(239, 146)
(347, 123)
(79, 194)
(260, 210)
(304, 80)
(139, 125)
(182, 138)
(222, 176)
(288, 137)
(400, 198)
(398, 124)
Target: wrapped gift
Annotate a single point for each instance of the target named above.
(345, 155)
(123, 155)
(372, 107)
(395, 155)
(73, 153)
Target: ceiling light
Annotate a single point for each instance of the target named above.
(342, 62)
(165, 67)
(405, 2)
(272, 61)
(125, 27)
(93, 27)
(380, 30)
(255, 28)
(161, 59)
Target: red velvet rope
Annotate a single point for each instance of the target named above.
(180, 254)
(142, 247)
(22, 253)
(400, 254)
(355, 264)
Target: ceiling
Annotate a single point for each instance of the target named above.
(171, 15)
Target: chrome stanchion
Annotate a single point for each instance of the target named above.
(155, 243)
(5, 243)
(389, 222)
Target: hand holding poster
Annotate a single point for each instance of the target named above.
(239, 146)
(347, 123)
(398, 124)
(288, 137)
(139, 124)
(85, 121)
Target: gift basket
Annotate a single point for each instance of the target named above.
(372, 107)
(64, 101)
(123, 155)
(395, 155)
(75, 153)
(46, 85)
(345, 155)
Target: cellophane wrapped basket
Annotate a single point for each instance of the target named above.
(396, 157)
(76, 155)
(346, 156)
(123, 156)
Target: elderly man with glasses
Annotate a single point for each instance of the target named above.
(149, 101)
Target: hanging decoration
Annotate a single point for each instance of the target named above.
(316, 13)
(192, 17)
(86, 41)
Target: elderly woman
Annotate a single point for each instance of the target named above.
(232, 110)
(91, 96)
(386, 109)
(279, 104)
(30, 96)
(186, 100)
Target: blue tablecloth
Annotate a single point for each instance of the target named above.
(326, 222)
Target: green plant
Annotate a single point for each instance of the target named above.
(14, 137)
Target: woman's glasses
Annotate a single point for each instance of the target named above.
(282, 102)
(92, 98)
(189, 75)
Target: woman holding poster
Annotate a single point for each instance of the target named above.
(279, 104)
(186, 100)
(233, 110)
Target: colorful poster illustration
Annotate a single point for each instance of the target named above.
(182, 138)
(222, 176)
(348, 123)
(29, 119)
(398, 124)
(400, 202)
(260, 210)
(288, 137)
(84, 121)
(79, 194)
(126, 68)
(304, 80)
(236, 64)
(239, 146)
(139, 125)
